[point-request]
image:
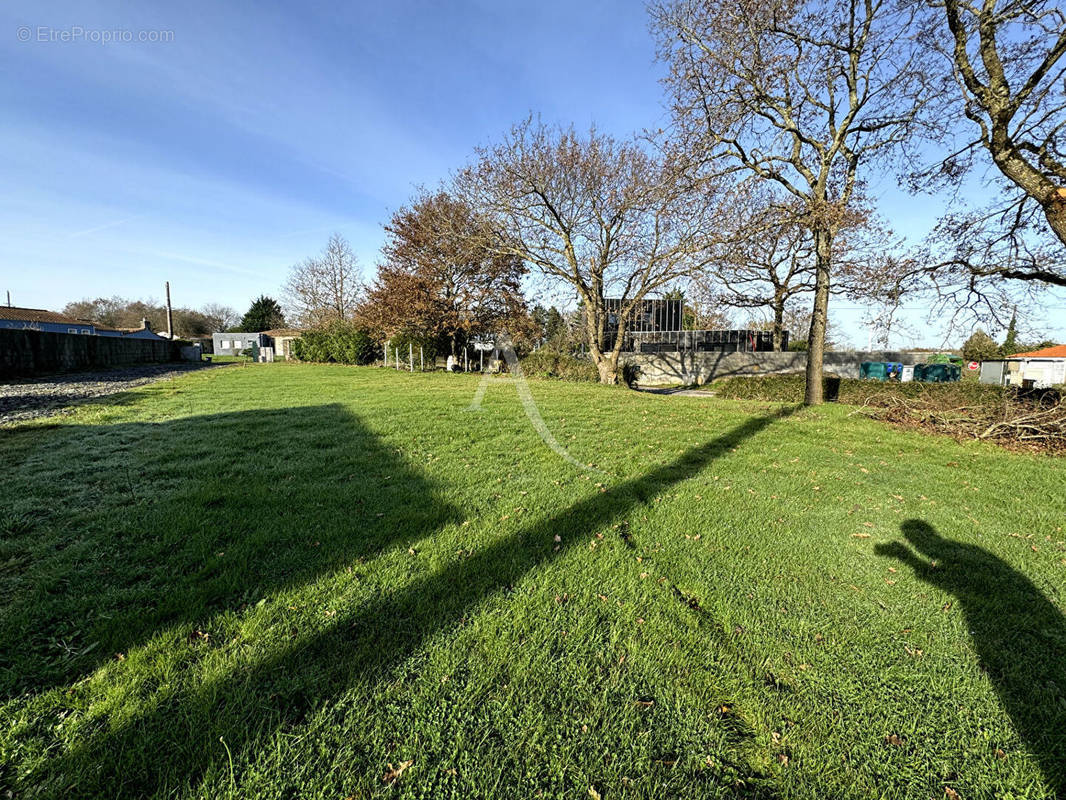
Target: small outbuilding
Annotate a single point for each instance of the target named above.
(1038, 369)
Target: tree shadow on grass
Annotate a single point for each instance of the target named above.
(168, 523)
(1020, 637)
(177, 742)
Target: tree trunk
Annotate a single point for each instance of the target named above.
(779, 323)
(608, 368)
(823, 243)
(595, 329)
(1055, 211)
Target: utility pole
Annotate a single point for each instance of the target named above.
(170, 315)
(9, 298)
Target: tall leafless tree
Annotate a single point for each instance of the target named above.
(606, 217)
(766, 258)
(803, 93)
(1003, 68)
(220, 317)
(1008, 62)
(325, 288)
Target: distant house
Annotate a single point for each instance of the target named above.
(283, 339)
(143, 332)
(1038, 369)
(39, 319)
(233, 344)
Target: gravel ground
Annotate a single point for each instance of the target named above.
(58, 394)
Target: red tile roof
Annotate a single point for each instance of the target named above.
(1058, 351)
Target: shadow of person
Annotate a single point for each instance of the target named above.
(1019, 636)
(178, 739)
(172, 522)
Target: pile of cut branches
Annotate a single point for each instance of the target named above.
(1024, 420)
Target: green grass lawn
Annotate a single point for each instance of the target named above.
(313, 581)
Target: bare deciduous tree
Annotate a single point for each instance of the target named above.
(803, 94)
(767, 258)
(1004, 111)
(220, 317)
(603, 216)
(325, 288)
(1007, 62)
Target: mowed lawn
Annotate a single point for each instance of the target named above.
(314, 581)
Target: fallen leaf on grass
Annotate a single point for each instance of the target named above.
(783, 759)
(593, 793)
(950, 793)
(392, 773)
(860, 536)
(894, 740)
(1000, 754)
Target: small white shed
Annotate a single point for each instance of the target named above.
(1038, 369)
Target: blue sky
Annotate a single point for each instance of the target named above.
(219, 158)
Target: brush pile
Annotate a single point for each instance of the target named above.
(1033, 420)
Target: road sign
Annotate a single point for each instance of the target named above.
(973, 365)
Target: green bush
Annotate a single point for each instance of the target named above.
(339, 342)
(980, 347)
(562, 366)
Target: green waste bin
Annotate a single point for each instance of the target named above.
(831, 388)
(936, 373)
(873, 370)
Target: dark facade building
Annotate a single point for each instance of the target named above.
(657, 326)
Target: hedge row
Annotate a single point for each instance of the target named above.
(341, 343)
(789, 389)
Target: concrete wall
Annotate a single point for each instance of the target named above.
(25, 352)
(667, 368)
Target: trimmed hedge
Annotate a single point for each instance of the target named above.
(339, 342)
(789, 389)
(561, 366)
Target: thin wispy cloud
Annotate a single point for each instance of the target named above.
(202, 262)
(104, 227)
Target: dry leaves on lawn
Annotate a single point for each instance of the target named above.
(392, 773)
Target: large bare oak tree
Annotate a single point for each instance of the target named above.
(1003, 111)
(608, 218)
(803, 94)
